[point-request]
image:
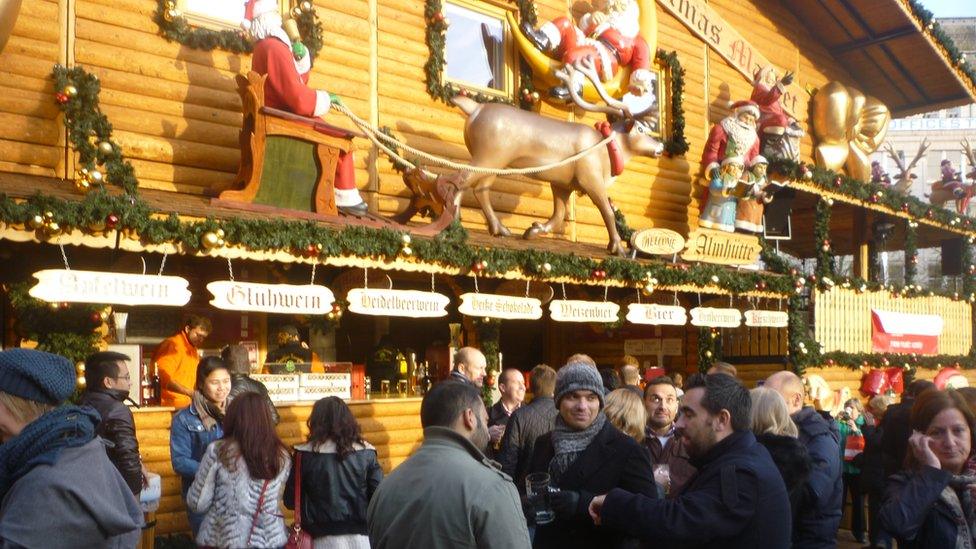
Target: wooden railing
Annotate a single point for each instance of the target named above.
(842, 319)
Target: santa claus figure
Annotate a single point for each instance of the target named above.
(610, 37)
(732, 146)
(287, 65)
(750, 208)
(780, 133)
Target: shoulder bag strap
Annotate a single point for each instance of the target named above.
(298, 489)
(254, 520)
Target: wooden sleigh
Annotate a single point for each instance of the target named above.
(276, 176)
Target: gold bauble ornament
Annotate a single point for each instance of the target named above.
(96, 176)
(81, 381)
(306, 6)
(407, 250)
(405, 239)
(36, 222)
(70, 90)
(82, 186)
(53, 227)
(106, 147)
(210, 240)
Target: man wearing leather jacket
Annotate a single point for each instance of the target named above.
(107, 381)
(236, 359)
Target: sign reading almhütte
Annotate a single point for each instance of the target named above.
(652, 313)
(767, 319)
(500, 306)
(307, 299)
(408, 303)
(110, 288)
(658, 241)
(709, 317)
(573, 310)
(723, 248)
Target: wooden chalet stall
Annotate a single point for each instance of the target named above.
(121, 136)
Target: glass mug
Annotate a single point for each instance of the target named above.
(538, 491)
(385, 387)
(402, 387)
(662, 476)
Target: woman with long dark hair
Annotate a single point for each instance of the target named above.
(199, 424)
(241, 477)
(930, 504)
(339, 474)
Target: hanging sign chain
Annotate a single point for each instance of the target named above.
(312, 281)
(64, 256)
(432, 290)
(162, 264)
(676, 301)
(230, 270)
(476, 290)
(638, 296)
(527, 282)
(563, 284)
(606, 288)
(365, 278)
(143, 259)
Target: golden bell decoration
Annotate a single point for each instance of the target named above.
(70, 90)
(213, 239)
(848, 127)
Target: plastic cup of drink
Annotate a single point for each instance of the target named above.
(538, 491)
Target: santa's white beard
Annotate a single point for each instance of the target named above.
(268, 24)
(742, 133)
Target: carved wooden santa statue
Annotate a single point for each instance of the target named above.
(610, 37)
(287, 66)
(779, 132)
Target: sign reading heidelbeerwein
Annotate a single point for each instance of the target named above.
(55, 285)
(407, 303)
(572, 310)
(500, 306)
(710, 317)
(307, 299)
(723, 248)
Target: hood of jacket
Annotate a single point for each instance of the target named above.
(812, 424)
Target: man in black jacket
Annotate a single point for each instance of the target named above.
(107, 381)
(736, 500)
(528, 423)
(895, 427)
(239, 366)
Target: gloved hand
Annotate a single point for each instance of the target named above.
(787, 78)
(298, 50)
(716, 184)
(334, 99)
(565, 503)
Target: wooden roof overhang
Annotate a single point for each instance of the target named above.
(890, 55)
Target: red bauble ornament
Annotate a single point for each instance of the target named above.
(599, 274)
(438, 17)
(761, 285)
(111, 221)
(873, 199)
(838, 181)
(336, 308)
(904, 207)
(929, 214)
(830, 362)
(61, 98)
(478, 266)
(96, 318)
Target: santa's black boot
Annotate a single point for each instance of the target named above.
(538, 38)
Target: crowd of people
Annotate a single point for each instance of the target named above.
(641, 462)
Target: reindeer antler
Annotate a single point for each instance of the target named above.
(922, 148)
(894, 156)
(970, 154)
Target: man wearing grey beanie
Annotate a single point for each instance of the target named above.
(583, 456)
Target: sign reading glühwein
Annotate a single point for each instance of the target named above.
(408, 303)
(75, 286)
(573, 310)
(500, 306)
(715, 318)
(709, 246)
(652, 313)
(307, 299)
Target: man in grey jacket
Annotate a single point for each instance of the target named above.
(448, 494)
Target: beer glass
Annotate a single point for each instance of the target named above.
(538, 491)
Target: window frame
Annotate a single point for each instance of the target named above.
(219, 24)
(494, 10)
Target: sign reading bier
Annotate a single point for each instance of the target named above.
(110, 288)
(709, 246)
(306, 299)
(572, 310)
(766, 319)
(709, 317)
(652, 313)
(500, 306)
(408, 303)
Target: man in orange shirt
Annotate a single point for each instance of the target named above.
(176, 361)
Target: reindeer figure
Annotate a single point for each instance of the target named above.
(943, 191)
(905, 178)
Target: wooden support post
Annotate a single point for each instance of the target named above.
(859, 241)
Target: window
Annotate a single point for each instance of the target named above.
(218, 14)
(479, 51)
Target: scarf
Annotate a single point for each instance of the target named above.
(569, 443)
(41, 442)
(209, 414)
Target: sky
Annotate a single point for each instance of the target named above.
(951, 8)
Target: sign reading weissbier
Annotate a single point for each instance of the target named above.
(715, 318)
(500, 306)
(408, 303)
(110, 288)
(767, 319)
(572, 310)
(652, 313)
(304, 299)
(658, 241)
(723, 248)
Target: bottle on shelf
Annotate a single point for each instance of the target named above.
(426, 382)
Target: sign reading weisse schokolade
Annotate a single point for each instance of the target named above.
(709, 317)
(767, 319)
(652, 313)
(75, 286)
(572, 310)
(500, 306)
(304, 299)
(720, 247)
(657, 241)
(408, 303)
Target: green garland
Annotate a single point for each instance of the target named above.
(489, 334)
(821, 238)
(174, 27)
(89, 131)
(911, 252)
(675, 144)
(709, 348)
(954, 54)
(70, 332)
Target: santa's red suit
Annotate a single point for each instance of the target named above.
(772, 114)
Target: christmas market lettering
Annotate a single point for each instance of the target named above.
(723, 248)
(110, 288)
(767, 319)
(407, 303)
(709, 317)
(271, 298)
(500, 306)
(708, 25)
(652, 313)
(570, 310)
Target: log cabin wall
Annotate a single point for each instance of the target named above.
(176, 111)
